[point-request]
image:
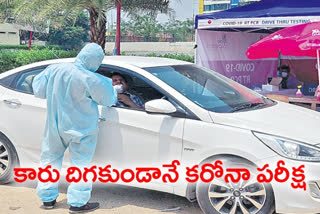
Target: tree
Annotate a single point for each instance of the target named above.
(143, 26)
(56, 11)
(70, 36)
(187, 29)
(180, 30)
(6, 10)
(148, 27)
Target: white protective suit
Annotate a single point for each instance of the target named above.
(73, 92)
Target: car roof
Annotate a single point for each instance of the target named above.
(137, 61)
(143, 62)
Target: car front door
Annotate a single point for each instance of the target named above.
(133, 138)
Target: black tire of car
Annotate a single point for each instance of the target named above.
(12, 158)
(204, 201)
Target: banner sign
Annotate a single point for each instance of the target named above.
(265, 22)
(246, 72)
(225, 53)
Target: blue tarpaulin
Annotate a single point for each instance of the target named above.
(264, 9)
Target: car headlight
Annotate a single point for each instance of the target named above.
(290, 148)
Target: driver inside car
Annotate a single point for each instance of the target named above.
(125, 99)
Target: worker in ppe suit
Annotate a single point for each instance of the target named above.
(73, 92)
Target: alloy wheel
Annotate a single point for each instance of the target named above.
(245, 197)
(4, 159)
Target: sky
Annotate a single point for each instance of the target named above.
(184, 9)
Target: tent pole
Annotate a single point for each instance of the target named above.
(279, 58)
(318, 61)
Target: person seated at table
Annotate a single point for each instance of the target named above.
(284, 72)
(125, 99)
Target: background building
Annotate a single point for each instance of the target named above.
(9, 35)
(209, 6)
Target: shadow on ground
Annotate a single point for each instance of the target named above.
(114, 198)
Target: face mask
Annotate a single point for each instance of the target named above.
(119, 88)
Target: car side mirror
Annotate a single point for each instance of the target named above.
(160, 106)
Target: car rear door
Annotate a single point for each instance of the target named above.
(24, 115)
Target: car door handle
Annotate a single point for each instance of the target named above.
(102, 119)
(13, 102)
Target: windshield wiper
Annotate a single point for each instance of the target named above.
(247, 106)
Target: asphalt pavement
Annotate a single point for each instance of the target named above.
(113, 198)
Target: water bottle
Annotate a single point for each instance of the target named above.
(299, 93)
(318, 94)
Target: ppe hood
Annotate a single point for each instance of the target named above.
(90, 57)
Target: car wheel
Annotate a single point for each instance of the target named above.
(244, 197)
(8, 160)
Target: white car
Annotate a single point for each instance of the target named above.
(191, 114)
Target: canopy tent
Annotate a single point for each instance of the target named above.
(262, 15)
(222, 39)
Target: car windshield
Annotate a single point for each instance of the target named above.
(209, 89)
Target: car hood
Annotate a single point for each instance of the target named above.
(282, 119)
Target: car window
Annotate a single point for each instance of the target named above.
(140, 86)
(209, 89)
(136, 85)
(23, 83)
(7, 81)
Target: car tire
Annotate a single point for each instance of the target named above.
(223, 200)
(8, 160)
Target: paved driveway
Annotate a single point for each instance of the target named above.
(118, 199)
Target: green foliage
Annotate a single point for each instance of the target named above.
(148, 27)
(82, 21)
(142, 26)
(6, 10)
(137, 7)
(180, 30)
(25, 47)
(182, 57)
(69, 35)
(12, 59)
(71, 38)
(37, 13)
